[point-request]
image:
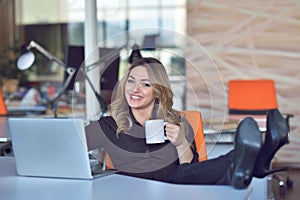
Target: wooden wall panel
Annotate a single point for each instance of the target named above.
(250, 39)
(7, 21)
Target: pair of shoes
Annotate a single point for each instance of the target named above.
(247, 146)
(277, 135)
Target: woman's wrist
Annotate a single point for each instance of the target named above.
(185, 153)
(183, 146)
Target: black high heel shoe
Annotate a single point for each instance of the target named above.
(247, 147)
(277, 135)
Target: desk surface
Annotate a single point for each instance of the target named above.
(108, 187)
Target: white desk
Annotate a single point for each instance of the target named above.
(13, 187)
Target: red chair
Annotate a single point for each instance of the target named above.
(255, 97)
(195, 120)
(252, 97)
(3, 108)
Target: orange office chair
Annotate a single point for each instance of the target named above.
(3, 108)
(255, 97)
(252, 97)
(5, 147)
(195, 120)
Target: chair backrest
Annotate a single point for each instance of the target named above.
(251, 96)
(3, 108)
(195, 120)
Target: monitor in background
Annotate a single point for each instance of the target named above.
(111, 58)
(150, 42)
(74, 56)
(110, 72)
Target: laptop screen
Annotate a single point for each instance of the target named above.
(50, 147)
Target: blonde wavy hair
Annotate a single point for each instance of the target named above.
(119, 108)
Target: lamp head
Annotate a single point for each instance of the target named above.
(25, 60)
(135, 54)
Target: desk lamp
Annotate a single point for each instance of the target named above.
(26, 60)
(135, 54)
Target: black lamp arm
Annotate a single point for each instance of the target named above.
(70, 71)
(99, 98)
(46, 53)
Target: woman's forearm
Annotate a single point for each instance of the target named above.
(185, 153)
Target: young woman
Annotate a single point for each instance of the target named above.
(145, 93)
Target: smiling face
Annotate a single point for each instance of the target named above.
(138, 91)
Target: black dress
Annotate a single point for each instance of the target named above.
(132, 156)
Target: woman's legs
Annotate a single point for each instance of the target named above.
(234, 168)
(213, 171)
(247, 146)
(277, 135)
(248, 158)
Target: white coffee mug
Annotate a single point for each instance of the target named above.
(155, 131)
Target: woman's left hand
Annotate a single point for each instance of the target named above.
(174, 134)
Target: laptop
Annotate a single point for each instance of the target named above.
(53, 147)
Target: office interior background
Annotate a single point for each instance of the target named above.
(210, 41)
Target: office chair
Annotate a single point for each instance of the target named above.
(3, 108)
(5, 147)
(252, 97)
(195, 120)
